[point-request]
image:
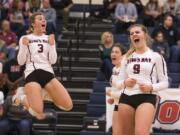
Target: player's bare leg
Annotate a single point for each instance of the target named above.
(34, 98)
(141, 119)
(126, 116)
(59, 94)
(115, 124)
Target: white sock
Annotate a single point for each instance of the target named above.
(32, 112)
(22, 97)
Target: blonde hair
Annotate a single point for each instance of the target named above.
(148, 41)
(103, 36)
(31, 21)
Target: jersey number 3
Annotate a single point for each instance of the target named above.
(136, 68)
(40, 50)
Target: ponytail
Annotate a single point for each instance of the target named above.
(130, 51)
(30, 30)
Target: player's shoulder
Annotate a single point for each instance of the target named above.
(35, 36)
(45, 35)
(21, 38)
(154, 54)
(27, 36)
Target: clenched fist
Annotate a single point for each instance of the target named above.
(25, 41)
(110, 101)
(146, 88)
(130, 82)
(51, 39)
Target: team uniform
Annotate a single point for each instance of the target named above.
(115, 94)
(146, 68)
(38, 56)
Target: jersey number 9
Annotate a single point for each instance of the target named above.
(136, 68)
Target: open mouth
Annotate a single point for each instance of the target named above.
(113, 59)
(43, 25)
(136, 40)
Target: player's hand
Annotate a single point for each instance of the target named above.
(108, 93)
(130, 82)
(110, 101)
(51, 39)
(25, 41)
(145, 88)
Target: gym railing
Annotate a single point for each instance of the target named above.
(77, 33)
(60, 67)
(69, 52)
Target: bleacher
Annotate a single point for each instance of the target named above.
(79, 50)
(77, 68)
(174, 74)
(94, 122)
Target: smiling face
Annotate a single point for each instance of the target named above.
(138, 37)
(116, 55)
(39, 24)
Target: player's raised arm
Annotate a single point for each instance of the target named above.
(23, 50)
(52, 50)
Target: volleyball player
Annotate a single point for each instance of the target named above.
(38, 52)
(143, 73)
(116, 56)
